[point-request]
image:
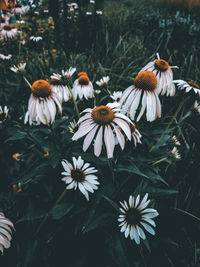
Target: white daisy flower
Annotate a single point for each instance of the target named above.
(19, 67)
(197, 106)
(35, 38)
(8, 31)
(116, 96)
(6, 227)
(175, 140)
(3, 114)
(42, 104)
(135, 135)
(60, 89)
(135, 218)
(103, 81)
(175, 153)
(19, 9)
(142, 93)
(5, 56)
(164, 74)
(73, 126)
(68, 73)
(103, 123)
(83, 87)
(99, 12)
(80, 175)
(188, 86)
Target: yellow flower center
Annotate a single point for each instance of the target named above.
(41, 88)
(194, 84)
(146, 80)
(103, 115)
(161, 65)
(83, 80)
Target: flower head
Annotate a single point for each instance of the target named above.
(83, 87)
(73, 126)
(19, 9)
(164, 74)
(102, 123)
(59, 88)
(20, 67)
(135, 218)
(188, 86)
(103, 81)
(3, 114)
(80, 175)
(8, 31)
(143, 94)
(5, 232)
(36, 38)
(197, 106)
(42, 103)
(68, 73)
(5, 56)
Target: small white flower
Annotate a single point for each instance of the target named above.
(73, 126)
(3, 114)
(116, 96)
(35, 38)
(188, 86)
(80, 175)
(92, 2)
(197, 106)
(176, 142)
(19, 67)
(5, 232)
(88, 13)
(46, 11)
(176, 153)
(99, 12)
(103, 81)
(68, 73)
(5, 57)
(104, 124)
(20, 21)
(135, 218)
(83, 87)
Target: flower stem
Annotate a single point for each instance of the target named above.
(75, 104)
(27, 82)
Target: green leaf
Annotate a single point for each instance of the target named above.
(132, 168)
(17, 136)
(60, 210)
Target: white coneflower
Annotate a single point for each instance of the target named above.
(5, 56)
(42, 104)
(103, 123)
(20, 21)
(68, 73)
(99, 12)
(19, 9)
(175, 140)
(83, 87)
(80, 175)
(175, 153)
(164, 74)
(197, 106)
(188, 86)
(36, 38)
(20, 67)
(143, 94)
(3, 114)
(92, 2)
(60, 89)
(8, 31)
(135, 135)
(135, 218)
(88, 13)
(103, 81)
(6, 227)
(73, 126)
(116, 96)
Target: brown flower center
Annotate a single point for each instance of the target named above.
(133, 216)
(194, 84)
(7, 27)
(18, 5)
(161, 65)
(41, 88)
(55, 81)
(83, 80)
(146, 80)
(103, 115)
(78, 175)
(82, 73)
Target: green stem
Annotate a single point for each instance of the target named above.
(75, 104)
(27, 81)
(169, 124)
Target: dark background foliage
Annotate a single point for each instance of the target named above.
(75, 232)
